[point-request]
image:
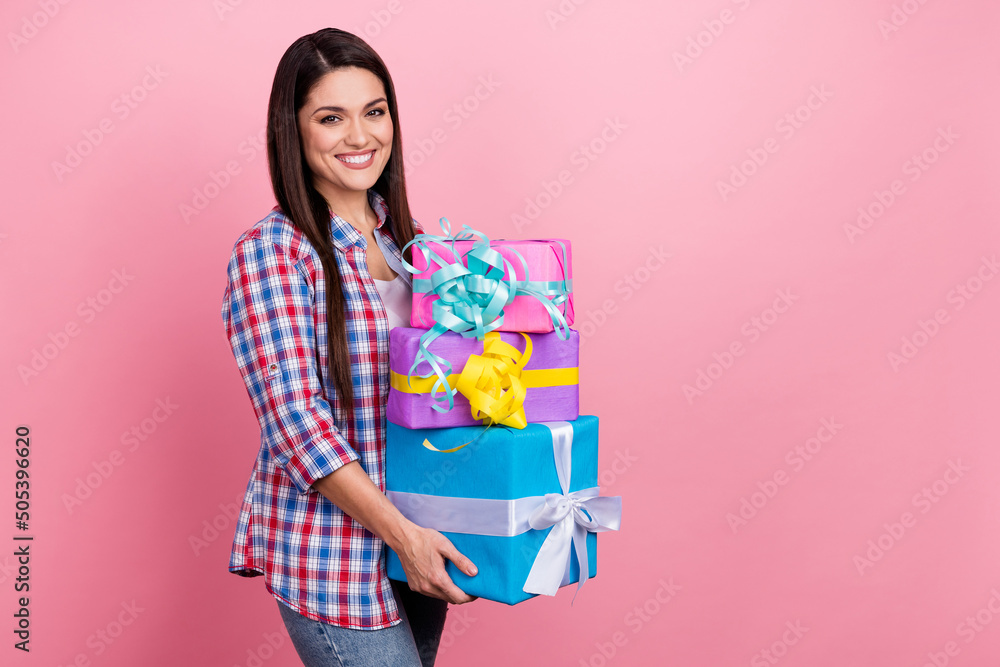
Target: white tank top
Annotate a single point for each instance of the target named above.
(397, 297)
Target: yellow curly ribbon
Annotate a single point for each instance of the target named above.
(428, 445)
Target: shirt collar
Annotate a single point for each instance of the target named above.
(345, 235)
(379, 206)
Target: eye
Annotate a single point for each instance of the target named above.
(381, 111)
(327, 118)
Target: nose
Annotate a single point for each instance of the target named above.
(356, 134)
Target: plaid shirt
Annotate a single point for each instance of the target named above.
(313, 556)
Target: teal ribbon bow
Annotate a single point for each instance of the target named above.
(473, 289)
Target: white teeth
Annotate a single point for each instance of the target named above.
(356, 159)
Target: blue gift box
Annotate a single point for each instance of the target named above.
(501, 463)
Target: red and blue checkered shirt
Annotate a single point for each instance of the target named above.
(313, 556)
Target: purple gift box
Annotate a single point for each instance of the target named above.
(550, 375)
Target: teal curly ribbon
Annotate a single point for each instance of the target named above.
(472, 293)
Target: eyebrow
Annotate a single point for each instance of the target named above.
(341, 109)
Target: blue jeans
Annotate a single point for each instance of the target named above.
(412, 643)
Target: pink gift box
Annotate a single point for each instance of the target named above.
(549, 265)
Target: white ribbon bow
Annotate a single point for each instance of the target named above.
(572, 516)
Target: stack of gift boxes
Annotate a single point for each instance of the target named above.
(485, 442)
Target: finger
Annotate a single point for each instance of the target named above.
(446, 587)
(458, 558)
(454, 594)
(441, 586)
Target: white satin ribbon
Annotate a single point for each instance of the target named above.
(570, 514)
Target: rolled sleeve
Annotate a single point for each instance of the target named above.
(269, 318)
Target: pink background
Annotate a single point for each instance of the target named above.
(670, 275)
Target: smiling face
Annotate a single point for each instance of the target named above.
(346, 132)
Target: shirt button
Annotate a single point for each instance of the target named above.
(273, 368)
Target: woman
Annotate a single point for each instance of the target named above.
(313, 289)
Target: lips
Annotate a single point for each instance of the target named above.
(357, 158)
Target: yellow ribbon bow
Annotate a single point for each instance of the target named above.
(492, 382)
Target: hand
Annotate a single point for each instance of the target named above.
(422, 556)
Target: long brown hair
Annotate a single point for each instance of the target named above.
(306, 61)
